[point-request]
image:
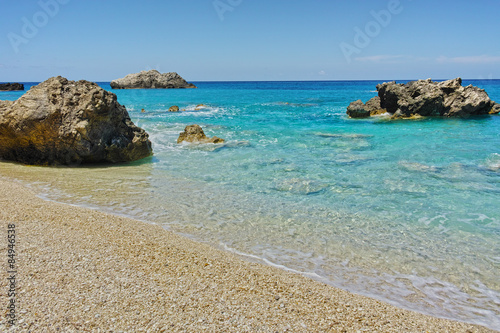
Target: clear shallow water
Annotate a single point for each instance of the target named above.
(405, 211)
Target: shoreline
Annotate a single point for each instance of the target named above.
(83, 269)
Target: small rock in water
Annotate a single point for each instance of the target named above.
(194, 133)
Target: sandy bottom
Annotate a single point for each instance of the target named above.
(83, 270)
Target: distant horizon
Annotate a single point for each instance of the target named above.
(221, 81)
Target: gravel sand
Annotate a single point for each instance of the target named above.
(84, 270)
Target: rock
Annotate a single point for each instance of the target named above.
(11, 86)
(151, 80)
(358, 109)
(194, 133)
(68, 122)
(173, 108)
(427, 98)
(200, 107)
(374, 107)
(495, 109)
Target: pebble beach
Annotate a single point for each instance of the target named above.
(83, 270)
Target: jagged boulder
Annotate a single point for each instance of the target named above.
(151, 80)
(173, 108)
(11, 86)
(426, 98)
(358, 109)
(68, 122)
(194, 133)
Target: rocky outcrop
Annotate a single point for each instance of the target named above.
(68, 122)
(194, 133)
(151, 80)
(11, 86)
(173, 108)
(426, 98)
(358, 109)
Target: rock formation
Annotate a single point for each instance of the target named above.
(173, 108)
(426, 98)
(151, 80)
(11, 86)
(194, 133)
(68, 122)
(358, 109)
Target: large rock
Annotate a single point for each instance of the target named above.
(428, 98)
(11, 86)
(151, 80)
(68, 122)
(194, 133)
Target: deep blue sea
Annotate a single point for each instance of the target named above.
(404, 211)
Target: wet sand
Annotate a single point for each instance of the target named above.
(84, 270)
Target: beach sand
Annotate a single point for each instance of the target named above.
(84, 270)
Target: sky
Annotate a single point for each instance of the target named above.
(250, 40)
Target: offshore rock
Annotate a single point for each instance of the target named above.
(173, 108)
(11, 86)
(151, 80)
(194, 133)
(358, 109)
(425, 98)
(68, 122)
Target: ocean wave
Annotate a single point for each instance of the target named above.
(342, 135)
(493, 162)
(300, 186)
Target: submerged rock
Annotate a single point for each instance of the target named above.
(151, 80)
(68, 122)
(194, 133)
(11, 86)
(425, 98)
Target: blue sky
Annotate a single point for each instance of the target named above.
(205, 40)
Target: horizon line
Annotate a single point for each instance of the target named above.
(338, 80)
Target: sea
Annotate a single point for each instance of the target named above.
(404, 211)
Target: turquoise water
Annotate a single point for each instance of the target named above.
(404, 211)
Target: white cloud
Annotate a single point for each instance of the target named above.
(322, 73)
(481, 59)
